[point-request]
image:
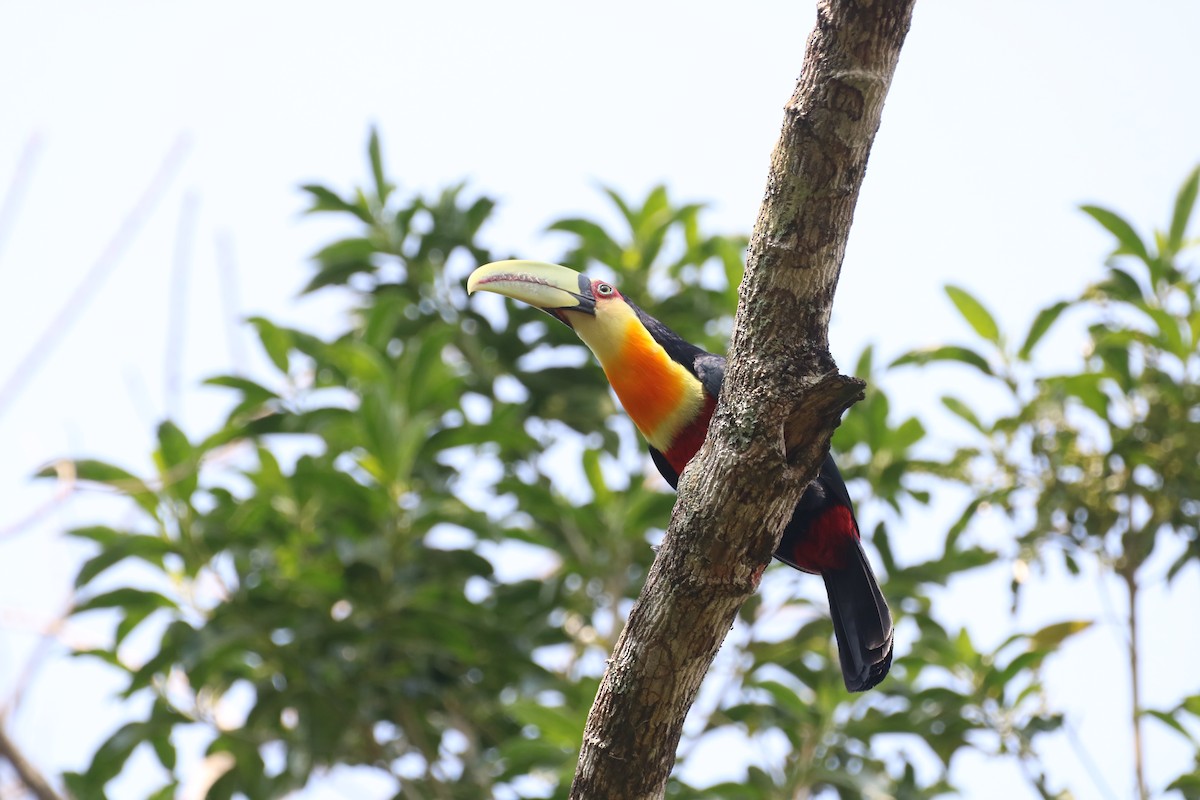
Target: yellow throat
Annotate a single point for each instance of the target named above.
(660, 396)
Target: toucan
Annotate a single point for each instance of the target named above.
(669, 387)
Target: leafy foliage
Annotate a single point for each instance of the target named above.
(1101, 463)
(1108, 457)
(373, 561)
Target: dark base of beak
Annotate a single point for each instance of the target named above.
(561, 315)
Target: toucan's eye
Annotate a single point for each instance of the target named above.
(604, 290)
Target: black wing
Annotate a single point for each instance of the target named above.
(710, 369)
(664, 467)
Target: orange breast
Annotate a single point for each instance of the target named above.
(647, 381)
(661, 396)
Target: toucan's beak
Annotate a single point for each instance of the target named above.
(550, 287)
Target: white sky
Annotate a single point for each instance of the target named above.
(1004, 117)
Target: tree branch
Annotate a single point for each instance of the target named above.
(781, 400)
(27, 772)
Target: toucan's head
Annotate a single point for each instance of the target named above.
(594, 309)
(649, 367)
(560, 291)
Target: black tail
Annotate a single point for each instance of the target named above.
(861, 621)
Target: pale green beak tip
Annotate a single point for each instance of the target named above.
(537, 283)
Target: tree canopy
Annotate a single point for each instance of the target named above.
(412, 544)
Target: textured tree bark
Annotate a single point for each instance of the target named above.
(781, 400)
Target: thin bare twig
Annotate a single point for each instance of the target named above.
(139, 396)
(48, 635)
(64, 488)
(230, 302)
(1139, 766)
(41, 350)
(18, 185)
(181, 264)
(26, 771)
(1089, 763)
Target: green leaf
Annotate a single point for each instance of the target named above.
(337, 275)
(252, 393)
(79, 785)
(173, 445)
(165, 751)
(998, 679)
(883, 544)
(358, 361)
(354, 250)
(1170, 332)
(621, 205)
(945, 353)
(1120, 285)
(102, 535)
(906, 435)
(110, 759)
(178, 464)
(275, 340)
(974, 312)
(98, 471)
(784, 699)
(1129, 243)
(965, 648)
(130, 619)
(382, 187)
(324, 199)
(86, 469)
(168, 791)
(1051, 636)
(151, 549)
(1171, 722)
(865, 362)
(963, 412)
(595, 477)
(595, 243)
(1185, 201)
(107, 656)
(1115, 356)
(960, 525)
(125, 598)
(1188, 785)
(1041, 325)
(1085, 387)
